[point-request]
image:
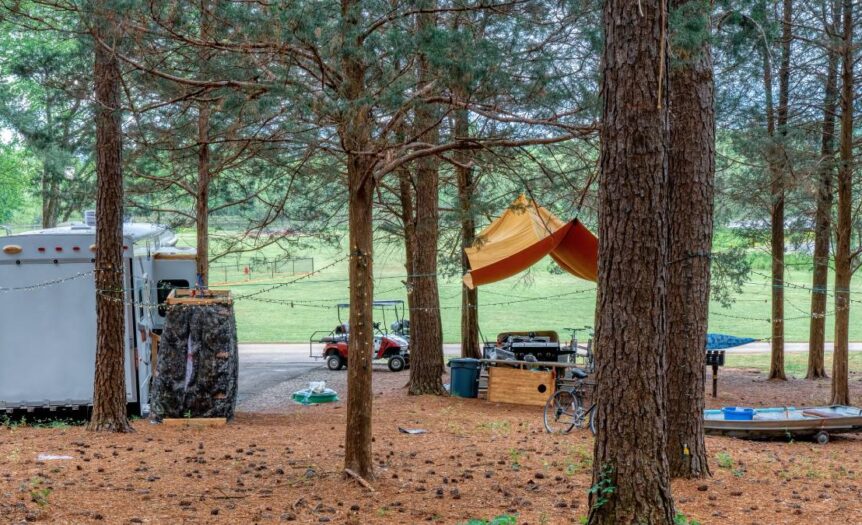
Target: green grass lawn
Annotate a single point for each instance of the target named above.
(557, 301)
(795, 363)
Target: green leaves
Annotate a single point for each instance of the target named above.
(604, 488)
(44, 90)
(689, 29)
(16, 170)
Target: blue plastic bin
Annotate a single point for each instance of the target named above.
(465, 377)
(738, 413)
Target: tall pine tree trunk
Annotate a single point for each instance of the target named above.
(50, 196)
(50, 177)
(426, 330)
(470, 344)
(823, 214)
(109, 386)
(355, 133)
(202, 197)
(202, 209)
(631, 328)
(778, 173)
(691, 175)
(844, 228)
(408, 220)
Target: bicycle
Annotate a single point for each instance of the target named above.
(571, 406)
(575, 348)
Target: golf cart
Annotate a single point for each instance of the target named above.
(392, 346)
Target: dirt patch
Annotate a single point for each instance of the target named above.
(478, 459)
(749, 387)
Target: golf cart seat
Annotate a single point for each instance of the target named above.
(578, 373)
(339, 334)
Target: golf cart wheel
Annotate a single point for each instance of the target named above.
(822, 437)
(334, 362)
(396, 363)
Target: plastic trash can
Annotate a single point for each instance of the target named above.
(465, 377)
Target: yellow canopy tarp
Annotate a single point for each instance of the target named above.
(522, 236)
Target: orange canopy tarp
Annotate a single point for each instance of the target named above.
(522, 236)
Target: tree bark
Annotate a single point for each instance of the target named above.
(203, 189)
(426, 331)
(202, 196)
(471, 346)
(823, 214)
(50, 192)
(50, 178)
(691, 176)
(778, 165)
(631, 330)
(109, 385)
(844, 228)
(358, 441)
(355, 133)
(408, 219)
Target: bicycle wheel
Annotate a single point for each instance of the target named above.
(561, 411)
(591, 415)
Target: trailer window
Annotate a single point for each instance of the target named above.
(163, 289)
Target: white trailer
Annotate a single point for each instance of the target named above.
(48, 312)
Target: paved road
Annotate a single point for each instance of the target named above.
(262, 366)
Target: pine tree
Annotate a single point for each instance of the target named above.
(824, 198)
(426, 353)
(630, 467)
(844, 229)
(779, 172)
(691, 174)
(109, 389)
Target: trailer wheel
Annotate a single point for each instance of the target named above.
(396, 363)
(334, 362)
(822, 437)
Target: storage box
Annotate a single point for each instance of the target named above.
(738, 413)
(520, 387)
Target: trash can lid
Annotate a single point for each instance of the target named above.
(464, 361)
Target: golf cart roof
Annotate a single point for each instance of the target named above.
(390, 302)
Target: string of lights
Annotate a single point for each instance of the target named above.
(313, 303)
(46, 284)
(797, 286)
(298, 304)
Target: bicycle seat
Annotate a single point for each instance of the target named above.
(577, 373)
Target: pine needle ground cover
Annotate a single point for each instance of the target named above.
(478, 461)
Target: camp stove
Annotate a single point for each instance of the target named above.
(544, 346)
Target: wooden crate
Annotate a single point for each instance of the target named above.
(190, 296)
(196, 422)
(519, 387)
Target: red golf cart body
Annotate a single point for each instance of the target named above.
(393, 347)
